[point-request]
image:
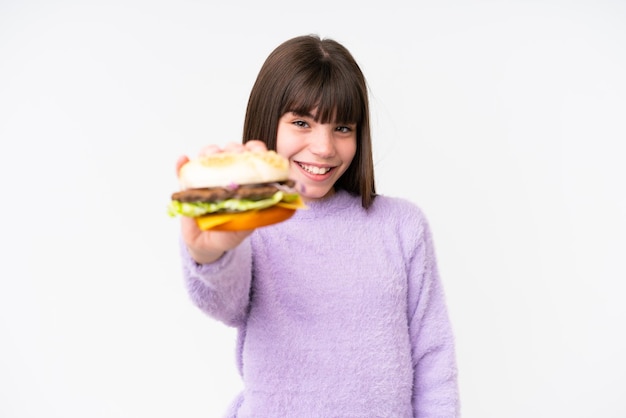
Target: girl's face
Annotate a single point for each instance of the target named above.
(318, 153)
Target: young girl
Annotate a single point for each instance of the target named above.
(340, 311)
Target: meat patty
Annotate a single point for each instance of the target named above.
(215, 194)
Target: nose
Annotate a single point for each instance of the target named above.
(322, 142)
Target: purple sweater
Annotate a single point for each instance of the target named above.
(340, 313)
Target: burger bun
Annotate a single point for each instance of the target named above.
(225, 169)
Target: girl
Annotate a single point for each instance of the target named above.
(340, 311)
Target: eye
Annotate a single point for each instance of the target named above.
(301, 123)
(344, 129)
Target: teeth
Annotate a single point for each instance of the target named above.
(315, 170)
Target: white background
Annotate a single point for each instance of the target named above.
(504, 120)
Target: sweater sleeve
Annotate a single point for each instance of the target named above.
(221, 289)
(435, 388)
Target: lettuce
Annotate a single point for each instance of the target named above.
(230, 205)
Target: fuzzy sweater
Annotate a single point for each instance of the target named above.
(340, 313)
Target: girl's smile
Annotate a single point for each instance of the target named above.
(316, 172)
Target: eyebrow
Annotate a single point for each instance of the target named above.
(307, 114)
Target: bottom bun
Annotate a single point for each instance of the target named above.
(244, 220)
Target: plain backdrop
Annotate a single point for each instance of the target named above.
(503, 120)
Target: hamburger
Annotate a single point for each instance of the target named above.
(233, 191)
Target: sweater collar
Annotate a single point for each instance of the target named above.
(339, 201)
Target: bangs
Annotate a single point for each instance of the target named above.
(333, 94)
(315, 77)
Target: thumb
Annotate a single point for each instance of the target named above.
(182, 160)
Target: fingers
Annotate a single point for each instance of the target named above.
(182, 160)
(189, 227)
(234, 147)
(207, 246)
(255, 145)
(210, 149)
(252, 145)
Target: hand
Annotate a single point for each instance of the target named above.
(207, 246)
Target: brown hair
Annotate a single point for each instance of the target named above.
(306, 73)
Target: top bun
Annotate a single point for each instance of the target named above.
(227, 168)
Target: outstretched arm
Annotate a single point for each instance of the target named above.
(221, 289)
(217, 265)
